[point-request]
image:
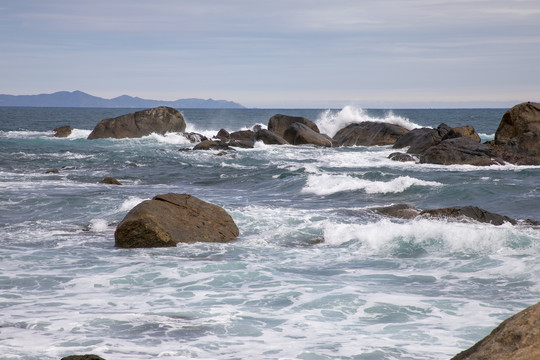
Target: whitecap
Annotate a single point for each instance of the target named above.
(325, 184)
(130, 203)
(330, 122)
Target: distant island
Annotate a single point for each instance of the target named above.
(81, 99)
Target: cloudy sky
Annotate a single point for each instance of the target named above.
(281, 53)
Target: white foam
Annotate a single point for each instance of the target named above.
(130, 203)
(78, 134)
(99, 225)
(329, 122)
(325, 184)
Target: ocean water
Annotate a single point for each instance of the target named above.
(313, 275)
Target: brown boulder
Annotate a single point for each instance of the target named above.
(369, 133)
(211, 145)
(63, 131)
(518, 120)
(516, 338)
(462, 131)
(468, 212)
(419, 140)
(300, 134)
(171, 218)
(158, 120)
(110, 180)
(280, 123)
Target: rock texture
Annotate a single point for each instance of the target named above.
(280, 123)
(468, 212)
(301, 134)
(461, 150)
(171, 218)
(158, 120)
(517, 338)
(517, 139)
(369, 133)
(63, 131)
(270, 138)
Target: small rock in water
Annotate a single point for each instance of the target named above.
(63, 131)
(111, 181)
(83, 357)
(52, 171)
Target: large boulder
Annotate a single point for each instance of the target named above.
(515, 338)
(369, 133)
(300, 134)
(461, 150)
(169, 219)
(158, 120)
(419, 140)
(270, 138)
(462, 131)
(280, 123)
(520, 119)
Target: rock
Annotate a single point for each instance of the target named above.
(270, 138)
(401, 211)
(419, 140)
(169, 219)
(158, 120)
(111, 181)
(300, 134)
(223, 134)
(520, 119)
(83, 357)
(515, 338)
(211, 145)
(63, 131)
(280, 123)
(369, 133)
(247, 135)
(194, 137)
(52, 171)
(462, 131)
(398, 156)
(460, 150)
(468, 212)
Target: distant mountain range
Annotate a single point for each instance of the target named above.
(81, 99)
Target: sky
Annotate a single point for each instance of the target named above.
(277, 54)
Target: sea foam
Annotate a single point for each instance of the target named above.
(330, 121)
(326, 184)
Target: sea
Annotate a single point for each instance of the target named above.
(313, 275)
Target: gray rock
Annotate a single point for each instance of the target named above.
(369, 133)
(63, 131)
(300, 134)
(460, 150)
(280, 123)
(270, 138)
(158, 120)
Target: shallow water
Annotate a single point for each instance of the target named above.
(313, 275)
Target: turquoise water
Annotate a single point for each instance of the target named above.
(313, 275)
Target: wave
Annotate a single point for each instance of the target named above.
(326, 184)
(330, 121)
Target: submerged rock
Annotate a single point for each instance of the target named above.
(83, 357)
(401, 211)
(63, 131)
(469, 213)
(171, 218)
(280, 123)
(158, 120)
(369, 133)
(515, 338)
(211, 145)
(110, 180)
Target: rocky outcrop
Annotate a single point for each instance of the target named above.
(63, 131)
(517, 139)
(169, 219)
(194, 137)
(158, 120)
(515, 338)
(301, 134)
(466, 131)
(456, 213)
(419, 140)
(369, 133)
(280, 123)
(211, 145)
(461, 150)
